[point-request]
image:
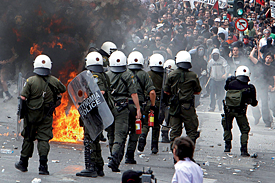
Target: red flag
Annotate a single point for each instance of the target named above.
(216, 6)
(228, 17)
(261, 2)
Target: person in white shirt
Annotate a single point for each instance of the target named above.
(186, 169)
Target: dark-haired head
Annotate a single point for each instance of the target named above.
(183, 147)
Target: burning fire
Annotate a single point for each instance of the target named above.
(66, 126)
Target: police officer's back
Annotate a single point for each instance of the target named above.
(41, 95)
(239, 94)
(182, 85)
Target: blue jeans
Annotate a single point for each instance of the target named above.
(216, 93)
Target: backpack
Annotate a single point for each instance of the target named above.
(233, 98)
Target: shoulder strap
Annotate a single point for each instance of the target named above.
(123, 81)
(53, 89)
(139, 81)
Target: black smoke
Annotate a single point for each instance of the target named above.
(75, 24)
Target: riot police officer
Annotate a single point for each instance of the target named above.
(92, 154)
(40, 93)
(106, 50)
(123, 86)
(145, 88)
(182, 85)
(239, 94)
(156, 74)
(169, 66)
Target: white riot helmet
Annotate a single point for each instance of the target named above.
(118, 62)
(183, 60)
(42, 65)
(135, 60)
(94, 62)
(156, 62)
(170, 64)
(243, 73)
(108, 47)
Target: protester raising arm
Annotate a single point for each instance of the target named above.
(251, 56)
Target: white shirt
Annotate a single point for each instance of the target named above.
(187, 172)
(262, 42)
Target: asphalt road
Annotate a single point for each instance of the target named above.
(65, 159)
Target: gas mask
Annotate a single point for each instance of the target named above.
(201, 52)
(216, 57)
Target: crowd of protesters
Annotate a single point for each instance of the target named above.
(172, 26)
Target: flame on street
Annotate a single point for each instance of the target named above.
(66, 126)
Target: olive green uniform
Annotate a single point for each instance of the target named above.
(239, 94)
(182, 84)
(157, 82)
(105, 61)
(144, 87)
(38, 120)
(123, 85)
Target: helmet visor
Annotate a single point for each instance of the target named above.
(118, 68)
(184, 65)
(42, 71)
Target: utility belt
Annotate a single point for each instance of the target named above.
(141, 103)
(121, 104)
(239, 110)
(190, 102)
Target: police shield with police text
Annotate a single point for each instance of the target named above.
(90, 103)
(239, 94)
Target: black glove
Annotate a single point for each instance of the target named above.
(153, 108)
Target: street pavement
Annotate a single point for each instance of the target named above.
(66, 159)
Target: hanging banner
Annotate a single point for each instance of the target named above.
(272, 7)
(222, 3)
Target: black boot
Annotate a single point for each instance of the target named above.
(99, 170)
(90, 170)
(130, 158)
(244, 152)
(22, 165)
(227, 147)
(113, 164)
(43, 167)
(154, 147)
(142, 142)
(164, 137)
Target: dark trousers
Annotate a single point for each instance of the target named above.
(216, 93)
(242, 123)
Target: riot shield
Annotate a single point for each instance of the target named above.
(90, 103)
(20, 122)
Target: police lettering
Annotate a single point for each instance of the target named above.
(90, 103)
